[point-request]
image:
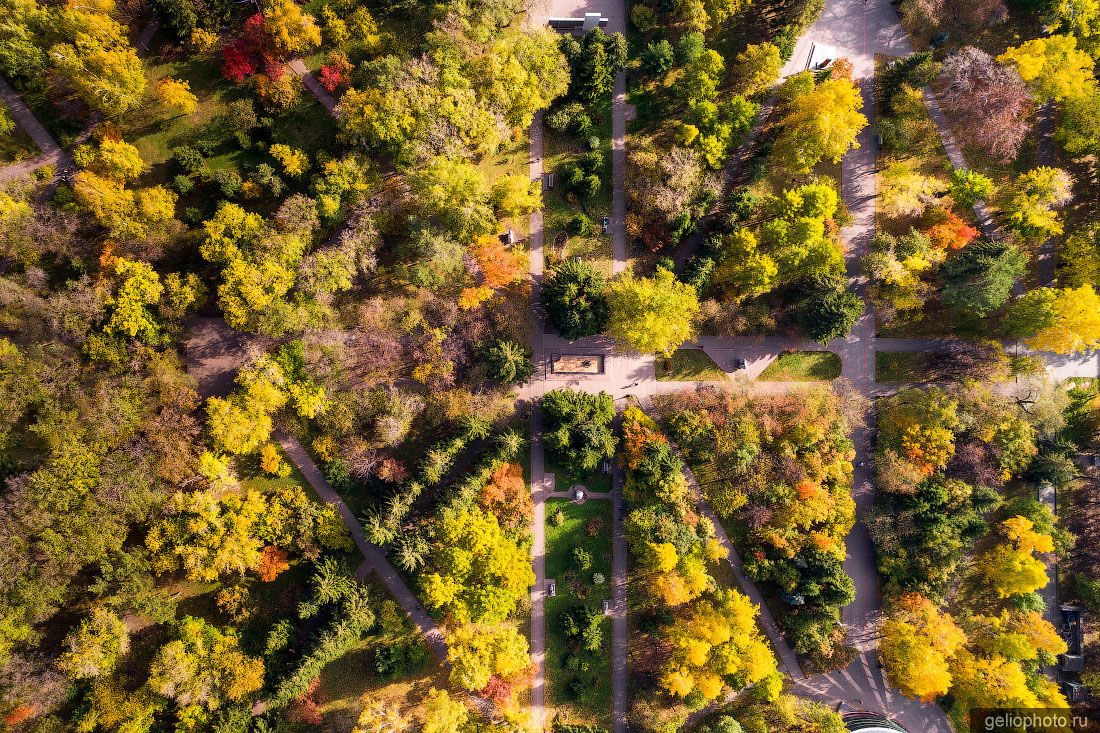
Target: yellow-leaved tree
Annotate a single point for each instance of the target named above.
(176, 96)
(653, 315)
(1010, 566)
(291, 30)
(821, 124)
(1053, 66)
(716, 642)
(918, 642)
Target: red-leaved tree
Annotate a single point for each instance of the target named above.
(238, 61)
(244, 57)
(990, 101)
(335, 73)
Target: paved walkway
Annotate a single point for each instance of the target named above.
(542, 485)
(52, 154)
(327, 100)
(619, 627)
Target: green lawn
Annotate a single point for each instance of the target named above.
(564, 478)
(559, 207)
(803, 366)
(586, 526)
(16, 146)
(257, 480)
(901, 366)
(689, 365)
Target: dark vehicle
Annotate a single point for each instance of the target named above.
(605, 224)
(739, 364)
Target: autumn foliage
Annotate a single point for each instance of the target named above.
(506, 495)
(499, 265)
(952, 233)
(273, 561)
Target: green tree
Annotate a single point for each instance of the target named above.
(795, 242)
(652, 314)
(969, 187)
(1032, 200)
(1080, 258)
(830, 313)
(431, 258)
(578, 430)
(980, 278)
(259, 266)
(594, 61)
(7, 122)
(757, 68)
(702, 77)
(478, 573)
(1078, 125)
(658, 57)
(22, 54)
(454, 193)
(526, 71)
(510, 363)
(575, 297)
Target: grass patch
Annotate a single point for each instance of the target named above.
(586, 526)
(902, 366)
(564, 478)
(347, 679)
(803, 366)
(16, 146)
(689, 365)
(512, 159)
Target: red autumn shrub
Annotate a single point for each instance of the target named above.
(238, 61)
(331, 77)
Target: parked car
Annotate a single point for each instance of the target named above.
(739, 364)
(605, 224)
